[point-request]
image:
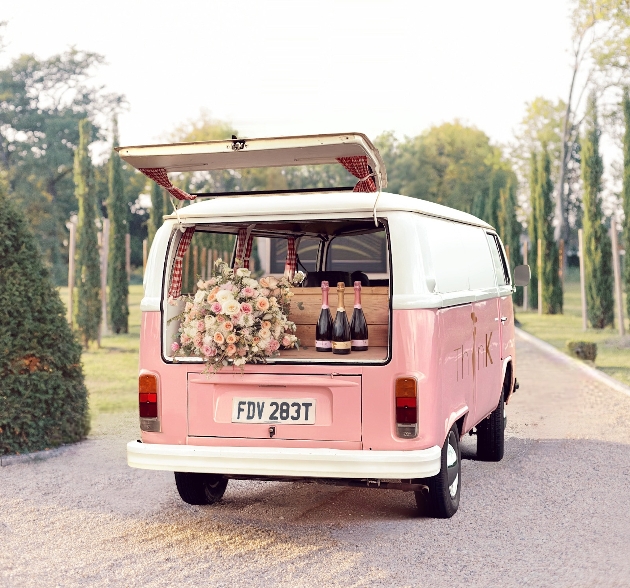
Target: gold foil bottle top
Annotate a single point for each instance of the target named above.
(341, 287)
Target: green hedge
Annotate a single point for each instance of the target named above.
(43, 398)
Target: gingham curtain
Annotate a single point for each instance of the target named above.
(290, 265)
(175, 289)
(159, 176)
(358, 167)
(243, 249)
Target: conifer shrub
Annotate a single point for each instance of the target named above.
(583, 349)
(43, 398)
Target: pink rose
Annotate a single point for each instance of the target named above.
(209, 350)
(286, 341)
(247, 292)
(201, 326)
(185, 339)
(273, 345)
(246, 308)
(231, 349)
(175, 346)
(198, 340)
(221, 319)
(216, 307)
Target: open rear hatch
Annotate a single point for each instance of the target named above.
(252, 153)
(282, 406)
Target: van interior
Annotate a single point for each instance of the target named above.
(335, 250)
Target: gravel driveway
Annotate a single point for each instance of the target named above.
(554, 512)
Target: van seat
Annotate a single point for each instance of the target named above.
(315, 279)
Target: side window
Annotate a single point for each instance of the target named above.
(500, 266)
(366, 253)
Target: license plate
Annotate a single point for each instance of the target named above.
(290, 411)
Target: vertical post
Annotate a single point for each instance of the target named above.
(72, 245)
(210, 262)
(104, 260)
(128, 255)
(202, 269)
(525, 288)
(617, 273)
(582, 277)
(145, 252)
(540, 277)
(195, 266)
(561, 263)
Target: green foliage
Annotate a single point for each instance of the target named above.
(510, 229)
(451, 164)
(582, 349)
(549, 262)
(88, 307)
(532, 228)
(117, 211)
(41, 104)
(43, 399)
(597, 246)
(156, 213)
(626, 195)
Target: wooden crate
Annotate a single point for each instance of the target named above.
(306, 305)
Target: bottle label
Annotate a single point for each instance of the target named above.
(323, 344)
(359, 342)
(341, 344)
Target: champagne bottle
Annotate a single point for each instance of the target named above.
(341, 328)
(358, 325)
(323, 329)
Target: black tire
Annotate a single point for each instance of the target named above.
(442, 500)
(200, 488)
(491, 434)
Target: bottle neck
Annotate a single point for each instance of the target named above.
(357, 297)
(325, 298)
(340, 304)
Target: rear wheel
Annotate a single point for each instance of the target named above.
(491, 434)
(442, 501)
(196, 488)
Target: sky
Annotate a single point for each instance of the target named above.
(277, 67)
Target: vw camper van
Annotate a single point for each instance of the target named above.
(437, 298)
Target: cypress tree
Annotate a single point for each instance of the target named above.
(597, 246)
(552, 288)
(510, 229)
(158, 206)
(88, 307)
(492, 203)
(626, 195)
(532, 229)
(117, 211)
(43, 399)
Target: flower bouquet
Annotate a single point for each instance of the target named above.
(234, 319)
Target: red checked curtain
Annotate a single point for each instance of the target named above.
(159, 176)
(243, 249)
(175, 289)
(290, 265)
(359, 168)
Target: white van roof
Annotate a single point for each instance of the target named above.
(323, 204)
(247, 153)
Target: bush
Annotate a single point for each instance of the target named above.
(583, 349)
(43, 398)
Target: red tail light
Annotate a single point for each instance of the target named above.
(148, 402)
(407, 407)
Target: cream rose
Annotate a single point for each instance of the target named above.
(223, 296)
(230, 307)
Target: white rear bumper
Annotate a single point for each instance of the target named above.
(283, 461)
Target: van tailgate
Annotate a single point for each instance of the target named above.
(304, 407)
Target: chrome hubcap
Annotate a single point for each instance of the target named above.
(451, 462)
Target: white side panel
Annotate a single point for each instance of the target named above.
(154, 271)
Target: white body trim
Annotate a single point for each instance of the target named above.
(286, 461)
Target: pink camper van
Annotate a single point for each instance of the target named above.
(436, 294)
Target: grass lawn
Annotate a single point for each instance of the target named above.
(613, 352)
(111, 372)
